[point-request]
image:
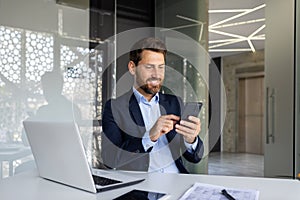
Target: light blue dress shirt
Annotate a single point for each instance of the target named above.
(160, 156)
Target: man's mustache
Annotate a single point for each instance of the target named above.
(154, 79)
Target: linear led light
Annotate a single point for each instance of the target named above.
(239, 15)
(228, 50)
(227, 43)
(224, 41)
(239, 23)
(235, 38)
(232, 41)
(228, 34)
(220, 41)
(241, 38)
(259, 37)
(257, 31)
(254, 33)
(179, 27)
(190, 19)
(228, 11)
(251, 45)
(196, 23)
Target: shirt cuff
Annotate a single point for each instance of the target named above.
(146, 141)
(191, 147)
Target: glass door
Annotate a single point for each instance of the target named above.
(297, 90)
(279, 83)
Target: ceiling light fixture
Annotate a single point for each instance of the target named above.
(228, 50)
(240, 23)
(195, 23)
(235, 37)
(238, 15)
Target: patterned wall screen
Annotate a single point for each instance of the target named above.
(24, 57)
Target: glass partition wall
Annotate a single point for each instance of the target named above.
(82, 44)
(188, 59)
(87, 42)
(77, 43)
(52, 39)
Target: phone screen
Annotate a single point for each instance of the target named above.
(142, 195)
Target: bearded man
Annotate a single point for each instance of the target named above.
(142, 129)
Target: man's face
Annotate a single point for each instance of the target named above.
(150, 72)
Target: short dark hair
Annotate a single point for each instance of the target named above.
(149, 43)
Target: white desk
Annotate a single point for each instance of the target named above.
(28, 186)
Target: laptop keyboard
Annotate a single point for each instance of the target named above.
(99, 180)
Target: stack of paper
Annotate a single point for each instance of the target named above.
(201, 191)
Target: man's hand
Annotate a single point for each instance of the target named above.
(163, 125)
(189, 129)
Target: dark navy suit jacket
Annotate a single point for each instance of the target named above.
(123, 130)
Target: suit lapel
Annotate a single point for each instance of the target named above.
(135, 111)
(165, 109)
(163, 104)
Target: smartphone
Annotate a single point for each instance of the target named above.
(191, 108)
(143, 195)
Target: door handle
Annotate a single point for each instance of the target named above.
(270, 115)
(267, 115)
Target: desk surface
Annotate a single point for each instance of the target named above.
(28, 186)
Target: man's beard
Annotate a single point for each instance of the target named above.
(151, 89)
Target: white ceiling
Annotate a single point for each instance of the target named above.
(236, 26)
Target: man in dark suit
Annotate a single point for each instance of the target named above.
(142, 129)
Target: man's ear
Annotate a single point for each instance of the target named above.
(131, 67)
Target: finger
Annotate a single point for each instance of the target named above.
(188, 137)
(165, 130)
(179, 131)
(185, 130)
(165, 126)
(193, 123)
(172, 117)
(194, 119)
(169, 123)
(188, 124)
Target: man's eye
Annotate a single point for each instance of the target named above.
(161, 66)
(148, 66)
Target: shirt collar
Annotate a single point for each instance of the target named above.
(140, 98)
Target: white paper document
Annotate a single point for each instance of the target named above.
(201, 191)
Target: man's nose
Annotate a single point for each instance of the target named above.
(156, 72)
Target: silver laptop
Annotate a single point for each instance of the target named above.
(60, 156)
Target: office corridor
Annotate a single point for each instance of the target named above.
(236, 164)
